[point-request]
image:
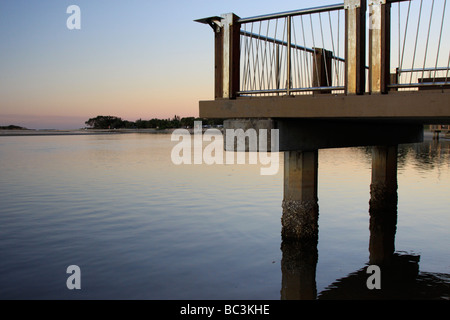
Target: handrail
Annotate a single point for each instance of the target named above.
(419, 84)
(303, 50)
(292, 13)
(424, 22)
(308, 89)
(283, 43)
(424, 69)
(303, 65)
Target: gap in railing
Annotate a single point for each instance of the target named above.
(420, 50)
(267, 45)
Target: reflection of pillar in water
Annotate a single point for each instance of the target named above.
(299, 225)
(298, 268)
(383, 204)
(300, 207)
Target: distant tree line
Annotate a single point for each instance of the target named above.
(12, 127)
(112, 122)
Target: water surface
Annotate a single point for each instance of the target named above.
(140, 227)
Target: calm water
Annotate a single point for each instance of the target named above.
(140, 227)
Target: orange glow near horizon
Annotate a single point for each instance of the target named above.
(130, 97)
(131, 59)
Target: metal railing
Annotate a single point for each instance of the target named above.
(420, 50)
(327, 49)
(294, 52)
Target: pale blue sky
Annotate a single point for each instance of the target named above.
(133, 59)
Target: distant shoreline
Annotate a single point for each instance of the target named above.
(58, 132)
(80, 132)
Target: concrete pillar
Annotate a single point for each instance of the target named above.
(300, 203)
(298, 270)
(383, 204)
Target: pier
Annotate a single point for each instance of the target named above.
(358, 73)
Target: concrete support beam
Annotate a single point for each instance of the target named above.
(255, 125)
(300, 203)
(308, 135)
(383, 204)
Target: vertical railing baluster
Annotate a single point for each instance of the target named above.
(439, 43)
(277, 68)
(304, 54)
(428, 38)
(415, 45)
(448, 68)
(288, 61)
(269, 65)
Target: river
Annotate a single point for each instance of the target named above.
(140, 227)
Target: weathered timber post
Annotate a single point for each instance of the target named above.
(355, 46)
(322, 71)
(226, 53)
(230, 55)
(394, 78)
(383, 204)
(300, 204)
(218, 61)
(379, 45)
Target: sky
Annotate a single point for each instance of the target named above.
(132, 59)
(142, 59)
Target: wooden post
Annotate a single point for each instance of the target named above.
(322, 71)
(355, 46)
(379, 45)
(394, 79)
(230, 55)
(218, 62)
(219, 51)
